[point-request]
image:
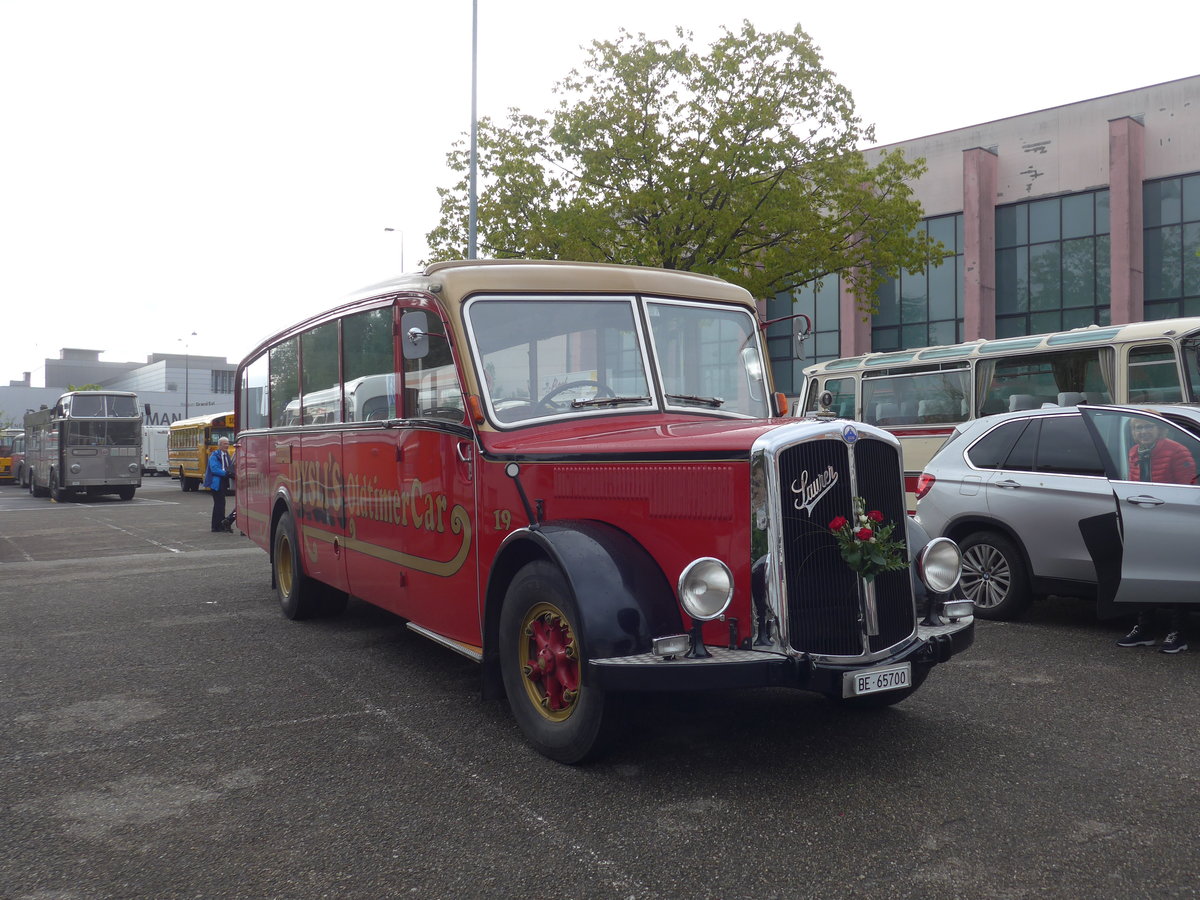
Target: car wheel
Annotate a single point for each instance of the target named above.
(296, 591)
(126, 492)
(183, 482)
(994, 576)
(543, 662)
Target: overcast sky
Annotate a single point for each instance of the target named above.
(228, 168)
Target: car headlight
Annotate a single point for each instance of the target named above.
(705, 588)
(940, 565)
(75, 470)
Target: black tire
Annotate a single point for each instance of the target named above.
(183, 482)
(296, 591)
(125, 492)
(56, 493)
(994, 576)
(559, 714)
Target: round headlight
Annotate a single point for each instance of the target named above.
(74, 468)
(705, 588)
(940, 565)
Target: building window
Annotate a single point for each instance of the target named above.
(222, 381)
(1171, 210)
(1052, 264)
(924, 309)
(820, 302)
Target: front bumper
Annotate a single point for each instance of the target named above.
(932, 644)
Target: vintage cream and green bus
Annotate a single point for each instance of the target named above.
(920, 395)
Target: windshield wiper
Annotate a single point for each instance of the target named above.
(608, 401)
(714, 402)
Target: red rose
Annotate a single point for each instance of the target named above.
(864, 534)
(875, 515)
(838, 524)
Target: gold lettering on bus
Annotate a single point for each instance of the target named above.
(326, 496)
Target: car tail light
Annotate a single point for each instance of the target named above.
(924, 483)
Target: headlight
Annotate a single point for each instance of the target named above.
(75, 468)
(705, 588)
(940, 565)
(134, 467)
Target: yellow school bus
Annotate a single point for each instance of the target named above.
(190, 443)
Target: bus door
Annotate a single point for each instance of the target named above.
(1157, 501)
(435, 467)
(317, 471)
(321, 509)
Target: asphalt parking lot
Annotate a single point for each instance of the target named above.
(168, 734)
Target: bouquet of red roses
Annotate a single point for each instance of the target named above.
(866, 542)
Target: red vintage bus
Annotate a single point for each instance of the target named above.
(577, 475)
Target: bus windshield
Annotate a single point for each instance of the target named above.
(553, 358)
(98, 406)
(102, 433)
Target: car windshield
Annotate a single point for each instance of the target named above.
(581, 356)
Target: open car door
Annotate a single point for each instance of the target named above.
(1151, 464)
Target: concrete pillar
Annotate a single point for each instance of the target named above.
(979, 239)
(854, 325)
(1126, 171)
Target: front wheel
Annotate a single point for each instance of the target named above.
(125, 492)
(56, 492)
(296, 591)
(543, 661)
(994, 576)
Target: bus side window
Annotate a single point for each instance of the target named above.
(1153, 374)
(322, 398)
(431, 386)
(369, 366)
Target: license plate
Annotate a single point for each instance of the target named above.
(872, 681)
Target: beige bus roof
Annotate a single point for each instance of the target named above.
(454, 281)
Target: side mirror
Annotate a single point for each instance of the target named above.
(414, 336)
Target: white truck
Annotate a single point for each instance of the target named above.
(154, 450)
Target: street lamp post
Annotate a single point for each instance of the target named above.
(401, 233)
(186, 373)
(473, 202)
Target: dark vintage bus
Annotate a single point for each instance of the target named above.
(578, 476)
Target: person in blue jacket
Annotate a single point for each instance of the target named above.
(216, 478)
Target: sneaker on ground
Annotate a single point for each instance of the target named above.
(1139, 637)
(1174, 643)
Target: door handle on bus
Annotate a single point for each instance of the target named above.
(1007, 483)
(1145, 500)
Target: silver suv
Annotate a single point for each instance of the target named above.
(1059, 501)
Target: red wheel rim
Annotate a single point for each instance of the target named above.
(549, 661)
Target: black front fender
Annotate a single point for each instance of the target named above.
(623, 597)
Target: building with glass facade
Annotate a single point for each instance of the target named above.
(1082, 214)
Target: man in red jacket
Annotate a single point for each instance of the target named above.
(1155, 457)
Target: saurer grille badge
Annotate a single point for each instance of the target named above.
(809, 490)
(849, 434)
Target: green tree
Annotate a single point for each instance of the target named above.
(741, 161)
(84, 387)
